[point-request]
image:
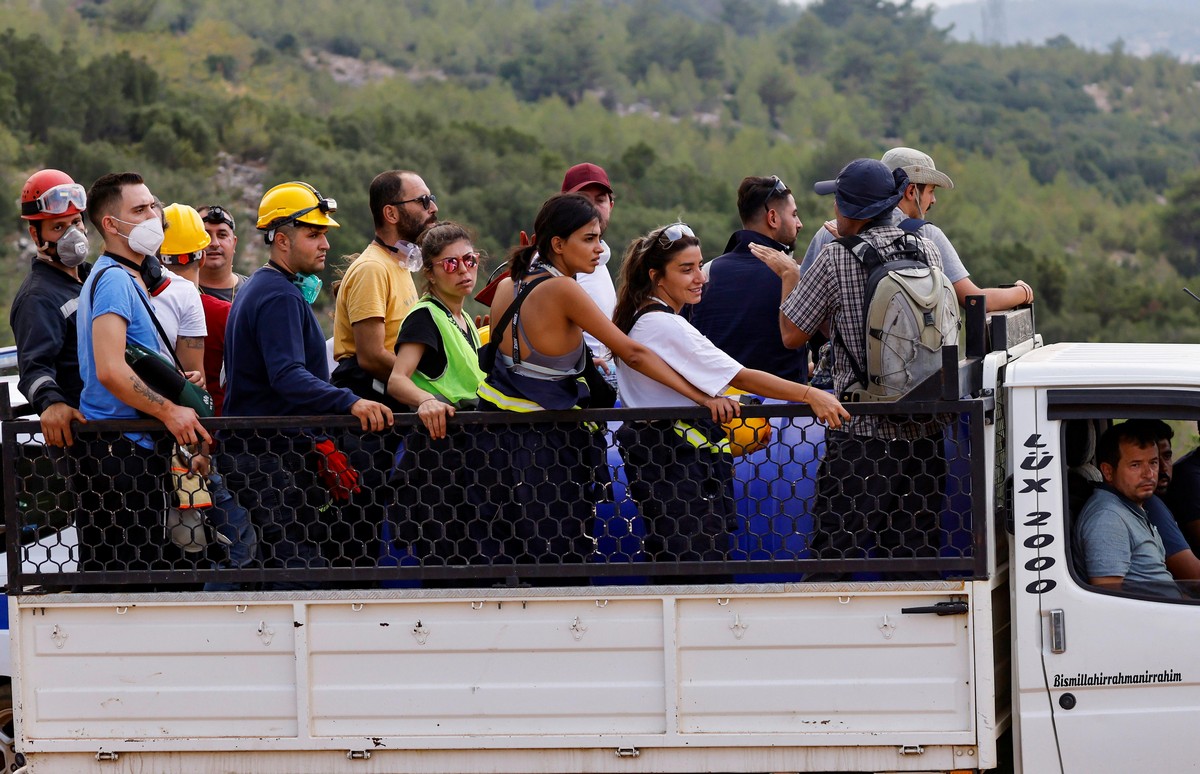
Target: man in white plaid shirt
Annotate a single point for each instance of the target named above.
(881, 481)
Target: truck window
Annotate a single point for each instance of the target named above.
(1127, 529)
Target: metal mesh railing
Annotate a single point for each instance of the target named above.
(557, 498)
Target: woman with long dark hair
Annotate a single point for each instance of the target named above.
(681, 473)
(542, 504)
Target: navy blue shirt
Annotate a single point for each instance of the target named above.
(1183, 497)
(739, 310)
(43, 321)
(275, 361)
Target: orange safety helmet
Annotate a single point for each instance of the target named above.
(51, 193)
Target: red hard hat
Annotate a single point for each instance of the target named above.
(51, 193)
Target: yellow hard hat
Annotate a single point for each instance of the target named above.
(294, 202)
(184, 235)
(748, 435)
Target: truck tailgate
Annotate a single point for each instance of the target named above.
(621, 668)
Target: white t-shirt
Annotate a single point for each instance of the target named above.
(179, 310)
(686, 350)
(599, 287)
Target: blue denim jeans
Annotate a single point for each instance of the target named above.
(233, 521)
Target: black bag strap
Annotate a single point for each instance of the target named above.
(157, 325)
(655, 306)
(866, 253)
(511, 312)
(487, 355)
(912, 225)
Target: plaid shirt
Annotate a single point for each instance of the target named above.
(833, 289)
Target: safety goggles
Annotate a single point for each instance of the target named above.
(673, 233)
(426, 201)
(451, 264)
(217, 214)
(57, 200)
(778, 189)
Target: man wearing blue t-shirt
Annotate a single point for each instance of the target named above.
(121, 478)
(1121, 547)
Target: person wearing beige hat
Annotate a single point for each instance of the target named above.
(919, 198)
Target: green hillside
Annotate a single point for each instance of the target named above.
(1076, 171)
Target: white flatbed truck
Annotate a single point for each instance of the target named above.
(864, 676)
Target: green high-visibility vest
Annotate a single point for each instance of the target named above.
(462, 375)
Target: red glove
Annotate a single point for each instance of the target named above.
(336, 472)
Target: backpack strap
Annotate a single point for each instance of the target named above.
(868, 256)
(911, 225)
(863, 250)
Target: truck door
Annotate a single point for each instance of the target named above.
(1115, 684)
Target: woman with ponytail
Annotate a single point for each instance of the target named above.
(538, 363)
(681, 473)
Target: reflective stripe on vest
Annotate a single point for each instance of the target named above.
(698, 439)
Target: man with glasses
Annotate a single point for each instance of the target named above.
(217, 277)
(739, 311)
(378, 290)
(43, 312)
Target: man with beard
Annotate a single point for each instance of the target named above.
(1120, 546)
(276, 367)
(377, 290)
(739, 311)
(217, 277)
(1181, 560)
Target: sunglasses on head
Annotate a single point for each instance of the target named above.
(673, 233)
(426, 201)
(450, 265)
(777, 189)
(216, 214)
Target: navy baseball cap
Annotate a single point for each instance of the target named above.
(865, 188)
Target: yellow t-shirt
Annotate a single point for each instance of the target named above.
(375, 285)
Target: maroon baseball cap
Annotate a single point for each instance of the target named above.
(585, 174)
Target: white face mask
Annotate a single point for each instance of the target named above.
(145, 237)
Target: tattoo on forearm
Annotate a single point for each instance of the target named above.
(191, 342)
(140, 387)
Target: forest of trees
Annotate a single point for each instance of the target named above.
(1075, 171)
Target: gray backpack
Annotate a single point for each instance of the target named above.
(911, 311)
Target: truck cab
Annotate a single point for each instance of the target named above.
(1103, 679)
